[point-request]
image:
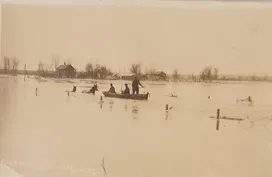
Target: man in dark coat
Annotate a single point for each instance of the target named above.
(135, 86)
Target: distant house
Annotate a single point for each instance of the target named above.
(112, 77)
(156, 76)
(66, 71)
(117, 76)
(127, 76)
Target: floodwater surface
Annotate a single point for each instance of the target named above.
(50, 134)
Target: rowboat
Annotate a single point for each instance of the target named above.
(127, 96)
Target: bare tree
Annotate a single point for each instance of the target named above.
(215, 73)
(69, 62)
(89, 69)
(206, 73)
(56, 60)
(209, 73)
(6, 64)
(136, 68)
(150, 70)
(104, 72)
(40, 66)
(96, 72)
(15, 63)
(253, 78)
(176, 75)
(109, 72)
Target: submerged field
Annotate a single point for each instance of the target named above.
(56, 135)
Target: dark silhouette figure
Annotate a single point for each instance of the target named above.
(135, 86)
(74, 89)
(126, 91)
(112, 89)
(249, 99)
(92, 90)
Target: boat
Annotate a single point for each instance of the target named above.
(127, 96)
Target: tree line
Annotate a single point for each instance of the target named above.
(98, 71)
(11, 64)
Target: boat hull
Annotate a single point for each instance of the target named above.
(127, 96)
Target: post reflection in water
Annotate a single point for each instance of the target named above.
(135, 111)
(101, 104)
(111, 104)
(167, 112)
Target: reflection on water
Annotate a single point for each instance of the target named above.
(101, 104)
(111, 103)
(168, 112)
(57, 135)
(103, 167)
(135, 111)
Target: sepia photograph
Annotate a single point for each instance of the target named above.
(155, 88)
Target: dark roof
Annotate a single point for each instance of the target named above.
(62, 67)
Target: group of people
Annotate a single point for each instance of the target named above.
(135, 87)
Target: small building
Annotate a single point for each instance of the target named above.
(112, 78)
(129, 76)
(117, 76)
(156, 76)
(65, 70)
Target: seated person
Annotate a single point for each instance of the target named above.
(112, 89)
(126, 91)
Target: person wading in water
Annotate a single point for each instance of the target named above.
(135, 86)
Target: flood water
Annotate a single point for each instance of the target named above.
(56, 135)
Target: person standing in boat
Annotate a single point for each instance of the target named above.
(126, 91)
(135, 86)
(112, 89)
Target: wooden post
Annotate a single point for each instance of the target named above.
(103, 167)
(68, 93)
(36, 91)
(166, 107)
(166, 111)
(217, 119)
(25, 73)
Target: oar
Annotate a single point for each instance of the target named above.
(101, 93)
(145, 90)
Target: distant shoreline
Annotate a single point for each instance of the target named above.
(156, 82)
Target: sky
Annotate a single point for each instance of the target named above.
(235, 40)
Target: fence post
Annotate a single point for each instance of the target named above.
(217, 119)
